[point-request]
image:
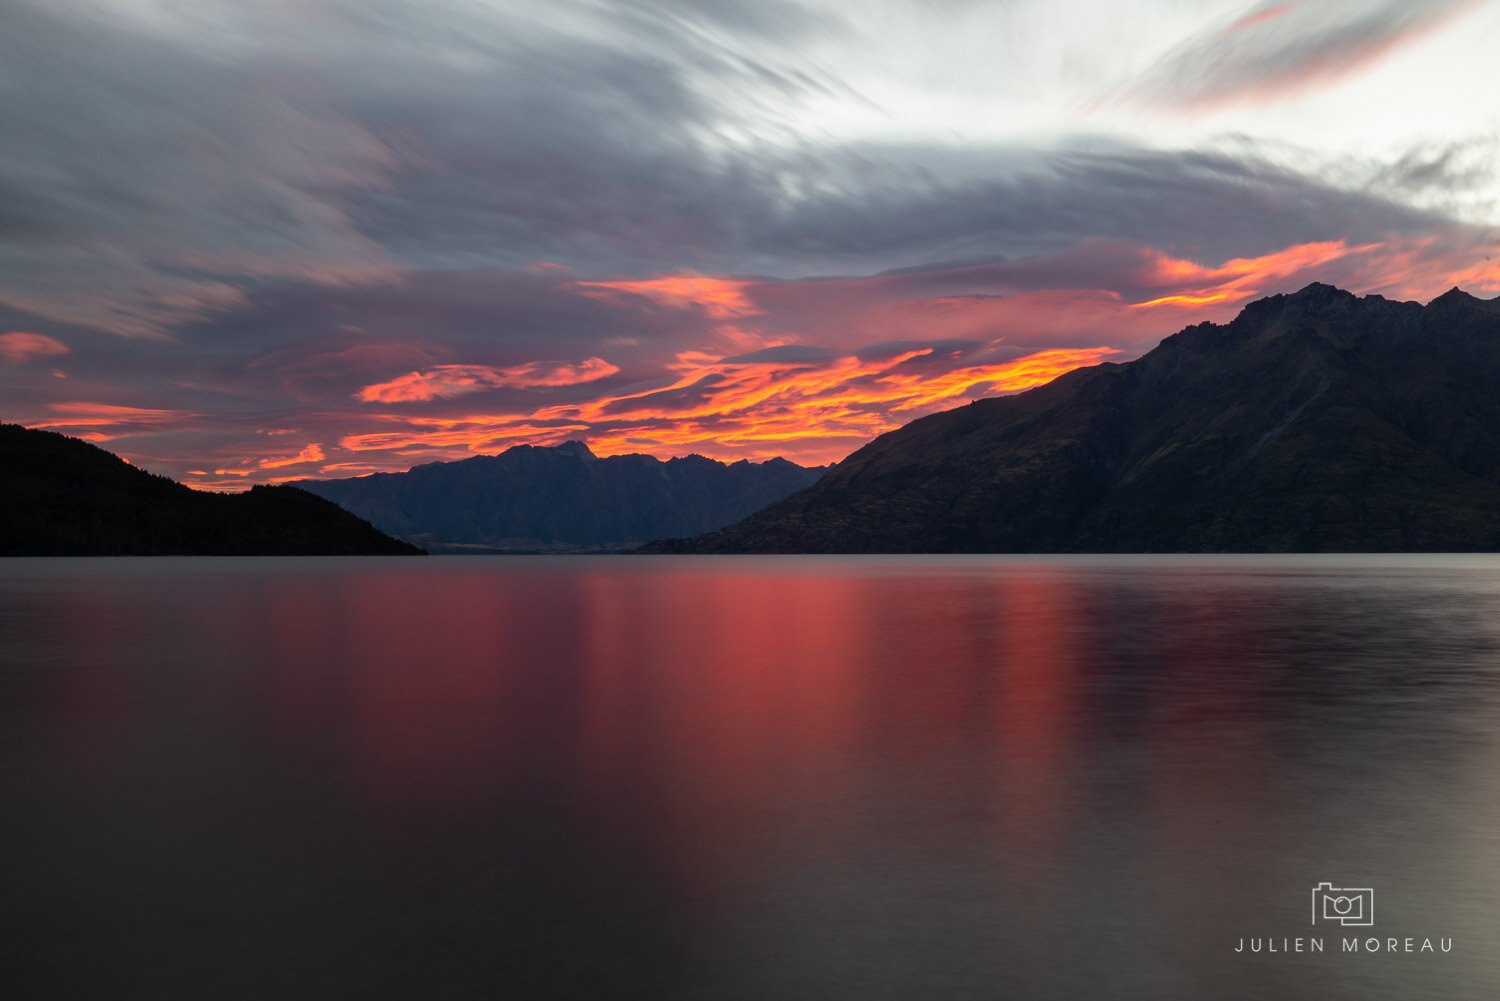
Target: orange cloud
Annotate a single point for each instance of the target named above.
(312, 453)
(448, 381)
(764, 368)
(19, 347)
(1413, 268)
(730, 409)
(1242, 277)
(819, 392)
(819, 406)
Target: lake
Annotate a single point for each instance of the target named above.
(750, 778)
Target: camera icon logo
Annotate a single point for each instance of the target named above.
(1348, 906)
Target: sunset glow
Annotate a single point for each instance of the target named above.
(738, 233)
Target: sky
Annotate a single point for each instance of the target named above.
(245, 243)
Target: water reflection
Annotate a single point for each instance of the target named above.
(754, 778)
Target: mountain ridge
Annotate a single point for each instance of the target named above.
(561, 498)
(63, 496)
(1312, 421)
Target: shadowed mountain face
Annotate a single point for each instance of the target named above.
(1313, 422)
(562, 498)
(64, 497)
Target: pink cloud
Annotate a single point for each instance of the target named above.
(448, 381)
(720, 298)
(19, 347)
(88, 415)
(830, 363)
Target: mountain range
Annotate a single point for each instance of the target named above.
(561, 498)
(1313, 422)
(65, 497)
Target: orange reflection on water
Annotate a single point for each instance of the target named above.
(416, 684)
(700, 711)
(719, 704)
(723, 707)
(1034, 704)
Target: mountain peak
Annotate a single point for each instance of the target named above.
(1452, 296)
(1315, 421)
(561, 498)
(575, 449)
(1316, 293)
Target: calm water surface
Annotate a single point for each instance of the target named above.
(747, 778)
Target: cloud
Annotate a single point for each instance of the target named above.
(19, 347)
(369, 226)
(166, 172)
(784, 353)
(814, 411)
(719, 298)
(311, 454)
(1279, 48)
(812, 369)
(109, 416)
(448, 381)
(154, 175)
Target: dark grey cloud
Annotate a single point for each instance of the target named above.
(157, 165)
(160, 176)
(140, 172)
(625, 208)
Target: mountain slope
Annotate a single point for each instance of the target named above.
(561, 498)
(1313, 422)
(64, 497)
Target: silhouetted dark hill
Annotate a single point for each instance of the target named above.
(64, 497)
(563, 498)
(1313, 422)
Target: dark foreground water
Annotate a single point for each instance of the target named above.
(748, 778)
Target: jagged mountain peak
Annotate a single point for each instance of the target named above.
(574, 449)
(561, 498)
(1313, 421)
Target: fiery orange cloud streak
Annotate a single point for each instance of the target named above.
(1204, 299)
(312, 453)
(756, 408)
(822, 407)
(765, 389)
(763, 408)
(1241, 277)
